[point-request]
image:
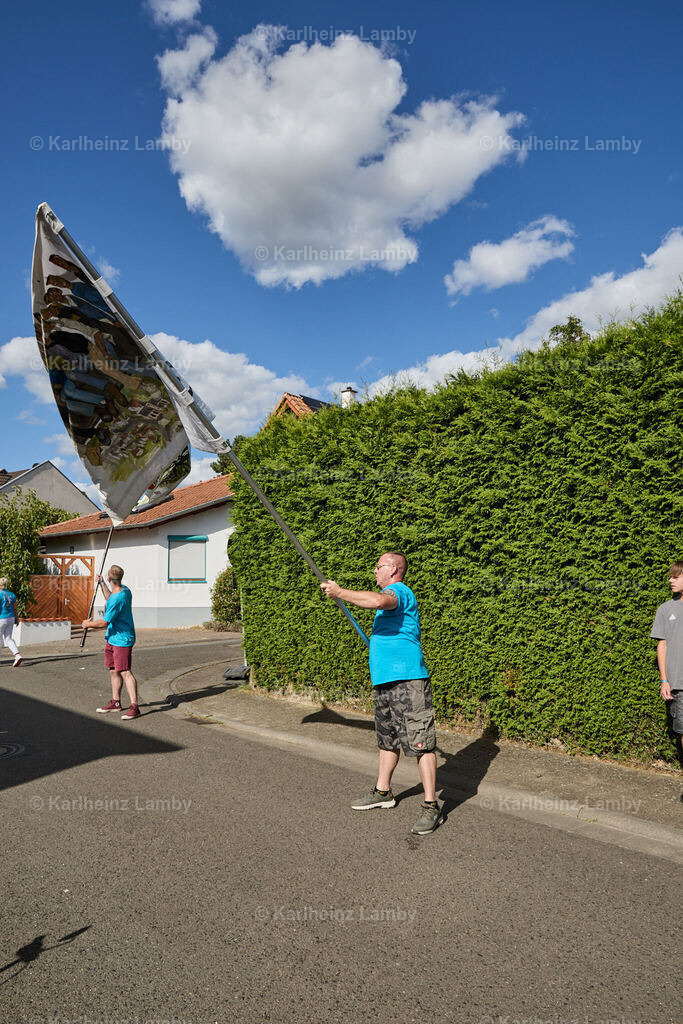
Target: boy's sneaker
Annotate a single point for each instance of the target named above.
(430, 818)
(374, 799)
(113, 705)
(132, 712)
(17, 661)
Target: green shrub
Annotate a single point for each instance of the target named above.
(539, 505)
(225, 599)
(22, 516)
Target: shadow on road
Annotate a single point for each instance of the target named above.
(29, 953)
(31, 662)
(54, 739)
(174, 699)
(463, 770)
(329, 717)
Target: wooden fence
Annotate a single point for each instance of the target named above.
(61, 595)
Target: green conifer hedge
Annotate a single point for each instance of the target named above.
(539, 505)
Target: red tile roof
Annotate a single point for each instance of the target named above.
(300, 405)
(7, 475)
(179, 503)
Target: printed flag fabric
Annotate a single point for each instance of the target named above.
(199, 436)
(122, 420)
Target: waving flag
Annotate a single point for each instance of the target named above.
(122, 420)
(129, 413)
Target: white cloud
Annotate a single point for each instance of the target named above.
(201, 469)
(108, 271)
(301, 164)
(335, 387)
(494, 264)
(63, 444)
(58, 461)
(611, 297)
(607, 297)
(90, 489)
(241, 393)
(29, 416)
(179, 68)
(172, 12)
(19, 357)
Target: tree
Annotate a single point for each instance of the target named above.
(572, 332)
(22, 516)
(225, 600)
(223, 463)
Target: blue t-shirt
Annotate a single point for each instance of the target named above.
(119, 616)
(395, 649)
(7, 600)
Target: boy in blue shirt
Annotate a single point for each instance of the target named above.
(404, 717)
(8, 612)
(119, 640)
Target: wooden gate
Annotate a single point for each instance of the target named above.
(63, 594)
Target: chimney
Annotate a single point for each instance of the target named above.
(348, 397)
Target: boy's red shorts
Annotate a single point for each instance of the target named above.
(118, 658)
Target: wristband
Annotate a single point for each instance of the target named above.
(664, 680)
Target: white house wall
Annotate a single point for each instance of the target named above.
(51, 485)
(143, 555)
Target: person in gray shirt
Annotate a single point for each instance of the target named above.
(667, 630)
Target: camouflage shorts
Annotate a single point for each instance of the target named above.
(404, 717)
(676, 711)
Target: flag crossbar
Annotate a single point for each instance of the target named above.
(222, 446)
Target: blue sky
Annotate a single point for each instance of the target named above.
(394, 151)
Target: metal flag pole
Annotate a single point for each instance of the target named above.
(94, 593)
(222, 446)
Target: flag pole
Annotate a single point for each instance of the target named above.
(187, 397)
(97, 585)
(249, 480)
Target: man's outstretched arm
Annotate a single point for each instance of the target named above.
(361, 598)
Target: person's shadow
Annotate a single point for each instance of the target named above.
(462, 771)
(30, 952)
(330, 717)
(173, 700)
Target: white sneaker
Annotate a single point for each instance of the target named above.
(17, 661)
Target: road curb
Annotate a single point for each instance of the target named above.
(35, 655)
(635, 833)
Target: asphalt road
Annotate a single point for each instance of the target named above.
(220, 879)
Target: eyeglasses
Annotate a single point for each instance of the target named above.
(381, 567)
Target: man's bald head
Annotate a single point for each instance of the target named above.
(398, 560)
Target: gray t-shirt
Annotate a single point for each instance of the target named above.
(668, 625)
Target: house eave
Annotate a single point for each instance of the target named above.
(44, 537)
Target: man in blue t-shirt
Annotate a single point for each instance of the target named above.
(119, 640)
(404, 718)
